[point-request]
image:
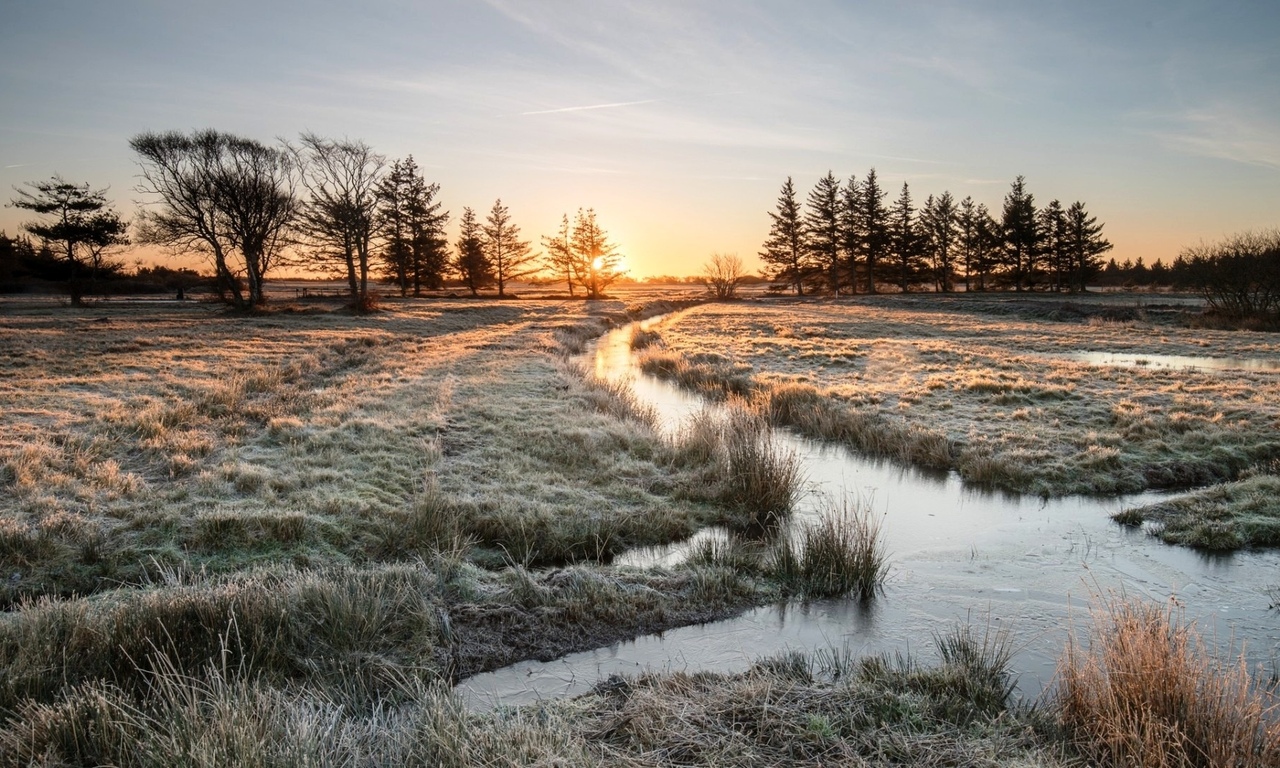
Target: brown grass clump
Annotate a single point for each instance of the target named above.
(1145, 692)
(842, 554)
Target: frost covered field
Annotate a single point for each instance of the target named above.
(994, 388)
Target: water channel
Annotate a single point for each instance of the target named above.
(959, 555)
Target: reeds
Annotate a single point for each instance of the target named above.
(1145, 691)
(841, 554)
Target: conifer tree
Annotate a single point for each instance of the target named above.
(785, 250)
(411, 222)
(1085, 245)
(598, 259)
(905, 238)
(938, 225)
(470, 262)
(852, 236)
(509, 256)
(560, 260)
(968, 232)
(822, 223)
(875, 227)
(79, 222)
(1053, 247)
(1021, 231)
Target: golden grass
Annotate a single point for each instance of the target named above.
(1144, 691)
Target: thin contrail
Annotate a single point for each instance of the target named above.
(591, 106)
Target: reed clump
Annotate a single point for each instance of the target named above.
(841, 554)
(1145, 691)
(753, 477)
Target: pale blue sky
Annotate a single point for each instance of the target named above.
(678, 121)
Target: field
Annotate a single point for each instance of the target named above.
(280, 538)
(993, 389)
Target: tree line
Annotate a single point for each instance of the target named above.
(847, 238)
(332, 205)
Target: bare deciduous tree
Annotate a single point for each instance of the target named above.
(723, 274)
(228, 197)
(339, 218)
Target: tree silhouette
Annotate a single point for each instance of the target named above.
(339, 218)
(785, 250)
(1084, 244)
(822, 227)
(598, 259)
(722, 274)
(411, 224)
(215, 193)
(471, 262)
(874, 223)
(508, 255)
(78, 220)
(938, 227)
(905, 238)
(852, 234)
(1021, 232)
(1053, 243)
(560, 259)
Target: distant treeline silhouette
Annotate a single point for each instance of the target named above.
(847, 239)
(329, 205)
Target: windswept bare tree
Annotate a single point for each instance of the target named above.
(509, 257)
(723, 274)
(78, 220)
(339, 218)
(218, 194)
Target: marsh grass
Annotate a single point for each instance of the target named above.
(989, 393)
(754, 478)
(841, 554)
(1145, 691)
(1224, 517)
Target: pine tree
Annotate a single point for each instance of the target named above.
(938, 223)
(875, 227)
(785, 250)
(822, 223)
(471, 262)
(560, 260)
(1021, 231)
(967, 237)
(1085, 244)
(510, 257)
(905, 238)
(411, 223)
(852, 236)
(598, 259)
(79, 221)
(1053, 229)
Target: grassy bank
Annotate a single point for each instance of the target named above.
(1222, 518)
(995, 396)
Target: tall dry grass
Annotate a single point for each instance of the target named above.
(841, 554)
(1144, 691)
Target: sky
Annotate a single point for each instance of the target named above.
(679, 121)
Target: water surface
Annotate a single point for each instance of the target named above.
(959, 555)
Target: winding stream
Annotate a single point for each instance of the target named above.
(959, 555)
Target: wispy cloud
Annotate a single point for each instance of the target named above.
(1225, 133)
(611, 105)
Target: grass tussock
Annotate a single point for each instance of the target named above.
(1221, 518)
(1145, 691)
(753, 477)
(841, 554)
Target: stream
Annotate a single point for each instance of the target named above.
(959, 554)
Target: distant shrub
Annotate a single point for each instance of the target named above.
(1239, 276)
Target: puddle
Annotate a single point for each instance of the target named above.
(958, 554)
(1177, 362)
